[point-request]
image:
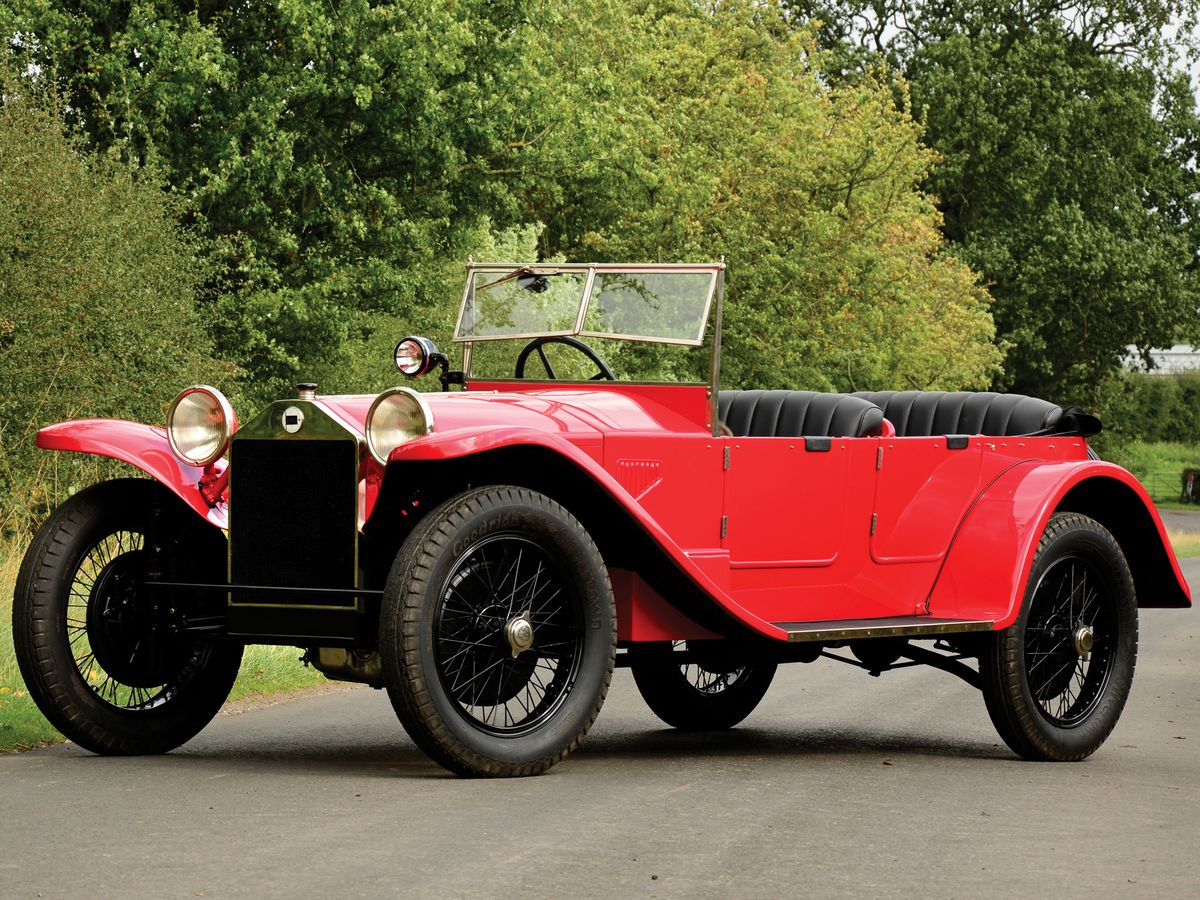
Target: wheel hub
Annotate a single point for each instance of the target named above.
(519, 632)
(1082, 640)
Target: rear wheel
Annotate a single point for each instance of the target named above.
(498, 633)
(1055, 682)
(108, 662)
(712, 693)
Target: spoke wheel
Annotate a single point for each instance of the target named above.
(715, 693)
(1056, 682)
(503, 579)
(498, 633)
(1071, 609)
(107, 662)
(122, 644)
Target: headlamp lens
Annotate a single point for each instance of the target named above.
(199, 425)
(396, 417)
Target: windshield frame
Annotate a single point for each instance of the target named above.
(713, 306)
(589, 271)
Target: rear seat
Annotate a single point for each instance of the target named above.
(798, 414)
(917, 413)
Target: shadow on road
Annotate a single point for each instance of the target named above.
(373, 758)
(745, 743)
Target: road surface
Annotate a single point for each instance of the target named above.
(840, 785)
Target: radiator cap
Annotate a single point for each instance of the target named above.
(306, 390)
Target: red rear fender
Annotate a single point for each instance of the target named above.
(143, 446)
(988, 564)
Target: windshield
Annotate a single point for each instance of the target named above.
(666, 304)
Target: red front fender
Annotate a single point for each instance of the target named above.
(988, 564)
(143, 446)
(584, 455)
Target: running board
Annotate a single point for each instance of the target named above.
(898, 626)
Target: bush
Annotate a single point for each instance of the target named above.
(97, 293)
(1150, 408)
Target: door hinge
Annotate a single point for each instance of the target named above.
(725, 463)
(878, 458)
(874, 522)
(724, 526)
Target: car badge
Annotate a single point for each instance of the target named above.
(293, 418)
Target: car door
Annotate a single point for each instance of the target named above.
(797, 526)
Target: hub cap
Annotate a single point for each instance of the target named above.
(1083, 641)
(121, 645)
(519, 632)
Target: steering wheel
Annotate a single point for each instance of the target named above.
(604, 371)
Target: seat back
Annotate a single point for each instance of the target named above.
(798, 414)
(917, 413)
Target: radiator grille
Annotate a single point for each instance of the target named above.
(293, 516)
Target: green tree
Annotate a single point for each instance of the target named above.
(342, 153)
(338, 152)
(97, 304)
(1063, 184)
(1068, 135)
(711, 132)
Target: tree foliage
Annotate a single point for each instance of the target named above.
(97, 303)
(1159, 32)
(714, 134)
(334, 150)
(341, 154)
(1069, 137)
(1062, 183)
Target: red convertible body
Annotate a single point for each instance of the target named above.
(485, 552)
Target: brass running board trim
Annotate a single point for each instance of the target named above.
(899, 626)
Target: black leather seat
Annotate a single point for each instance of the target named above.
(798, 414)
(965, 412)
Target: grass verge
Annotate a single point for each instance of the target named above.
(1185, 543)
(265, 671)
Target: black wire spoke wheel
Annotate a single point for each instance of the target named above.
(714, 692)
(707, 681)
(121, 643)
(108, 662)
(1069, 641)
(498, 633)
(505, 579)
(1056, 681)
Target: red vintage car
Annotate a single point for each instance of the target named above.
(488, 553)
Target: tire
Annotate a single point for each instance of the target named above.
(463, 578)
(1050, 697)
(99, 657)
(709, 696)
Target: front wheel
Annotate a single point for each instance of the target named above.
(108, 662)
(498, 633)
(1055, 682)
(713, 693)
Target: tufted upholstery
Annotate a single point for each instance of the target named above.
(798, 414)
(938, 412)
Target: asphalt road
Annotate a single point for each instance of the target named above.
(839, 785)
(1181, 519)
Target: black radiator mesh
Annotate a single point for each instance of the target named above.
(293, 516)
